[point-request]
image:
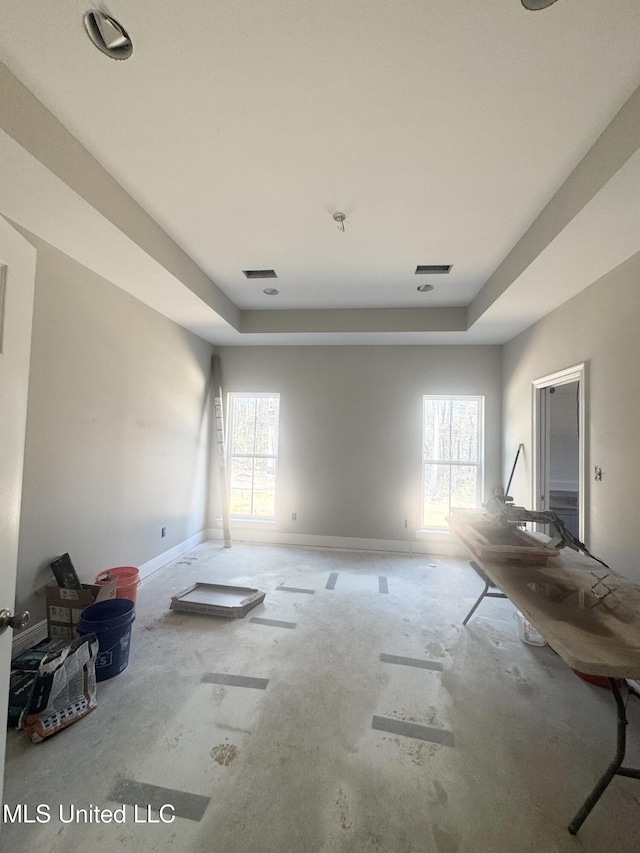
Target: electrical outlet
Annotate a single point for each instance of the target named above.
(294, 516)
(406, 522)
(164, 532)
(597, 473)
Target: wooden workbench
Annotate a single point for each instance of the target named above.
(593, 625)
(596, 635)
(588, 615)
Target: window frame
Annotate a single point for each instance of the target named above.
(479, 464)
(232, 396)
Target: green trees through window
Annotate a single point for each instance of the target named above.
(253, 454)
(452, 456)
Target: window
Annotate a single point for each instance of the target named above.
(452, 456)
(253, 454)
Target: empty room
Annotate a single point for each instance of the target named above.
(319, 470)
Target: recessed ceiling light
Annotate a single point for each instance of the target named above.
(271, 291)
(108, 35)
(425, 288)
(433, 269)
(534, 5)
(260, 273)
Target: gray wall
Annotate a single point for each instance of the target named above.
(117, 429)
(350, 420)
(600, 327)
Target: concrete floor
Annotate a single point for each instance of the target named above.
(298, 766)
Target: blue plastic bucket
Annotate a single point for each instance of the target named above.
(111, 622)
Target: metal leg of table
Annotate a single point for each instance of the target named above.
(485, 592)
(615, 768)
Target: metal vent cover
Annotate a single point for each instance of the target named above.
(260, 273)
(108, 35)
(433, 269)
(535, 5)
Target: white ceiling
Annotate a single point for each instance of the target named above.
(442, 128)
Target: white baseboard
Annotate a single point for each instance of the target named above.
(448, 546)
(29, 637)
(161, 560)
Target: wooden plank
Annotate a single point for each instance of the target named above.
(595, 636)
(598, 637)
(218, 405)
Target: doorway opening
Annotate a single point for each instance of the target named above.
(559, 424)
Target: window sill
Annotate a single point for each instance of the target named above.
(431, 531)
(271, 522)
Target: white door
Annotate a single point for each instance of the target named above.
(17, 275)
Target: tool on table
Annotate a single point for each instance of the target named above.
(505, 514)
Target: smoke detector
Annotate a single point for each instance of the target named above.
(108, 35)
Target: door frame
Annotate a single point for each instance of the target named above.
(18, 257)
(540, 433)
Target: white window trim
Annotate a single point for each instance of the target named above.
(270, 520)
(479, 464)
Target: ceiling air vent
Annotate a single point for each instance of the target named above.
(534, 5)
(260, 273)
(433, 269)
(108, 35)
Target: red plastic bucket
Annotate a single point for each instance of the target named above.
(598, 680)
(128, 581)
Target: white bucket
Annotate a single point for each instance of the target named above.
(527, 632)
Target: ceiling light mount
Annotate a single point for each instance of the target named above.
(109, 36)
(271, 291)
(340, 218)
(425, 288)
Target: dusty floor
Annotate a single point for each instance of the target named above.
(302, 765)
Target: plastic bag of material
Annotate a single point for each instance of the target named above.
(64, 690)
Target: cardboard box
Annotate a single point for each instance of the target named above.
(64, 606)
